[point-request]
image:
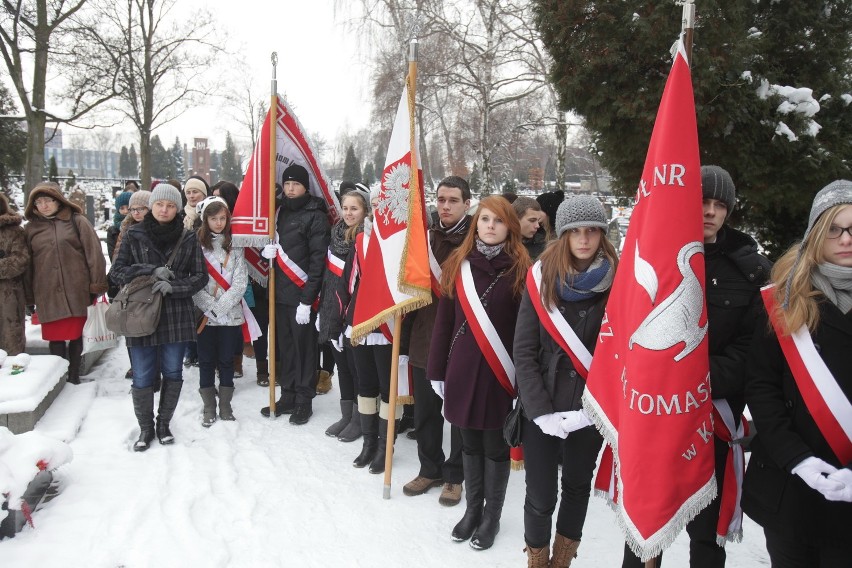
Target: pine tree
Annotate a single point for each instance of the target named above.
(176, 160)
(610, 64)
(13, 139)
(379, 162)
(133, 162)
(70, 181)
(369, 174)
(52, 170)
(351, 166)
(475, 180)
(229, 162)
(160, 162)
(124, 164)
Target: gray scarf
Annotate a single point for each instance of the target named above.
(836, 283)
(489, 251)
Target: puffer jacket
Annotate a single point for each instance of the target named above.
(303, 233)
(14, 260)
(224, 308)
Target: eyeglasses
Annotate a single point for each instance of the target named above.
(44, 200)
(139, 210)
(835, 232)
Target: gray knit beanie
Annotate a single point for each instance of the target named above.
(140, 199)
(836, 193)
(167, 192)
(580, 211)
(716, 183)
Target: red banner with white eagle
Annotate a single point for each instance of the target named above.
(396, 266)
(648, 388)
(252, 212)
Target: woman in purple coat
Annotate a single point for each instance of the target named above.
(469, 359)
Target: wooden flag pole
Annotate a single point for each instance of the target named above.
(270, 287)
(411, 80)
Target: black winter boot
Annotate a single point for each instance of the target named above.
(346, 417)
(143, 407)
(378, 463)
(301, 414)
(263, 373)
(169, 396)
(474, 496)
(75, 359)
(496, 480)
(370, 430)
(282, 406)
(352, 431)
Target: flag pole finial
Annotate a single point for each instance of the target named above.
(274, 73)
(687, 24)
(412, 50)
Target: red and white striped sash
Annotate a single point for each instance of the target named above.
(435, 272)
(293, 271)
(334, 264)
(559, 329)
(250, 328)
(484, 332)
(826, 402)
(730, 524)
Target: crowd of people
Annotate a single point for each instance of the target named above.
(521, 280)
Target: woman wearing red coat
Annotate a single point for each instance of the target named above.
(469, 358)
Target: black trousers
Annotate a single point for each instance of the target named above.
(785, 552)
(429, 425)
(326, 358)
(373, 367)
(579, 453)
(297, 345)
(261, 314)
(347, 378)
(486, 443)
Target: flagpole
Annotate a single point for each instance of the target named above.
(273, 149)
(687, 25)
(411, 80)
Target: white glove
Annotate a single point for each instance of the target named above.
(438, 387)
(550, 424)
(337, 343)
(316, 324)
(303, 314)
(844, 476)
(814, 471)
(573, 420)
(270, 251)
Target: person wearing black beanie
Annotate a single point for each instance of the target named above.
(549, 202)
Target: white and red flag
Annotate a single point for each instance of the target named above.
(252, 213)
(395, 271)
(648, 388)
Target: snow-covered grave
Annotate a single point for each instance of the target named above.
(26, 393)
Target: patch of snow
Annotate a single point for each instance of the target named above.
(63, 419)
(813, 128)
(746, 75)
(23, 392)
(784, 130)
(753, 33)
(847, 98)
(23, 456)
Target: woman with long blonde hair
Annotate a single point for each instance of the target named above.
(799, 390)
(470, 358)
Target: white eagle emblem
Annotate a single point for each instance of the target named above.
(393, 200)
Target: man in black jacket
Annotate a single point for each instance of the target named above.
(735, 271)
(299, 260)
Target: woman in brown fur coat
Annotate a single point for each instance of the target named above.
(14, 259)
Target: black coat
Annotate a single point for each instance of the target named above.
(545, 375)
(787, 434)
(734, 274)
(304, 235)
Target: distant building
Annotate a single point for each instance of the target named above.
(84, 163)
(199, 159)
(52, 139)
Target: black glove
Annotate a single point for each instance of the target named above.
(30, 310)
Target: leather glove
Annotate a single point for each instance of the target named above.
(438, 387)
(163, 273)
(162, 287)
(338, 343)
(270, 251)
(843, 476)
(551, 424)
(814, 471)
(303, 314)
(573, 420)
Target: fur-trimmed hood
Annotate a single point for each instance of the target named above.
(50, 189)
(10, 218)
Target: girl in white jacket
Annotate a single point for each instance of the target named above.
(220, 329)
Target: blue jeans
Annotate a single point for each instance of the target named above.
(145, 363)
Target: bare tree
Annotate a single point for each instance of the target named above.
(244, 101)
(36, 34)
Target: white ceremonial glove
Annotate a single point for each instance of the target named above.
(303, 314)
(270, 251)
(844, 476)
(814, 471)
(337, 343)
(573, 420)
(316, 324)
(438, 387)
(550, 424)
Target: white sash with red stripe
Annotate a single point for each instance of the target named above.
(730, 524)
(826, 402)
(293, 271)
(435, 271)
(250, 328)
(484, 332)
(559, 329)
(334, 264)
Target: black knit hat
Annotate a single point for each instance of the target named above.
(716, 183)
(297, 173)
(550, 204)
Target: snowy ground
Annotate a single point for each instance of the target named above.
(260, 492)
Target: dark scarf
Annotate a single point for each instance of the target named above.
(162, 235)
(460, 227)
(329, 308)
(338, 244)
(584, 285)
(117, 218)
(296, 203)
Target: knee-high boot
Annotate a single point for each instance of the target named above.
(378, 463)
(143, 407)
(75, 359)
(474, 496)
(496, 480)
(169, 396)
(370, 428)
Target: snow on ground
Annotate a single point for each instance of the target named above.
(260, 492)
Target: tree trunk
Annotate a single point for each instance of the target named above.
(424, 154)
(35, 116)
(145, 159)
(561, 136)
(485, 152)
(34, 173)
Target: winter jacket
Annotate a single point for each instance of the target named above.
(67, 266)
(734, 274)
(14, 260)
(335, 294)
(225, 307)
(787, 434)
(536, 245)
(304, 236)
(473, 398)
(546, 379)
(112, 235)
(138, 256)
(422, 321)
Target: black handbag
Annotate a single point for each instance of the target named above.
(512, 425)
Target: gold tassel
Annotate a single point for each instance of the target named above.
(407, 399)
(517, 465)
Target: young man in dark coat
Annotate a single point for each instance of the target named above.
(303, 236)
(735, 271)
(444, 236)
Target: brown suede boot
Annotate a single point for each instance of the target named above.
(323, 381)
(238, 366)
(538, 557)
(564, 551)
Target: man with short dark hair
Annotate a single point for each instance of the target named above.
(131, 186)
(444, 237)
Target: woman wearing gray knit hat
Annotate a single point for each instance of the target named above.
(799, 389)
(563, 306)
